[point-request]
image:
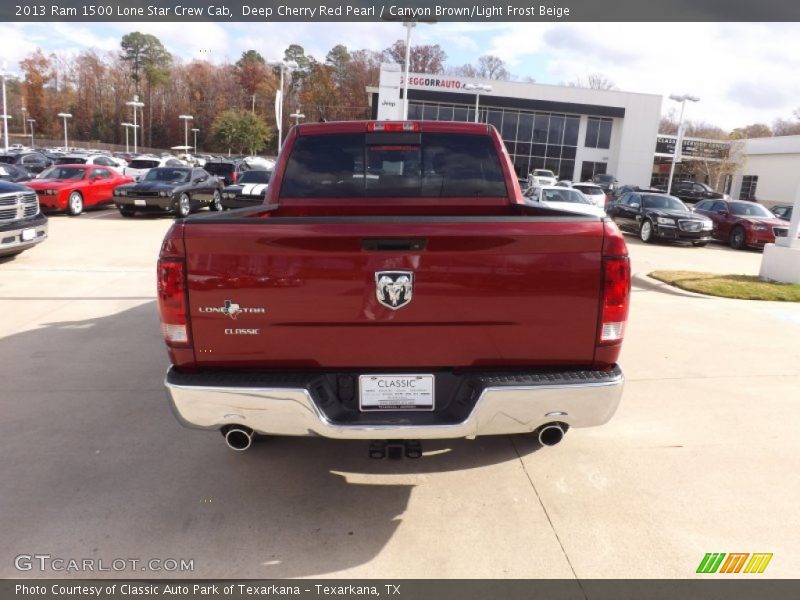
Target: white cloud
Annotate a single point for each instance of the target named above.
(743, 72)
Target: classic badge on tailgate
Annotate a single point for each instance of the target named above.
(394, 289)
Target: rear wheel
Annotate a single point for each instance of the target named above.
(699, 244)
(184, 206)
(75, 204)
(737, 239)
(216, 201)
(646, 232)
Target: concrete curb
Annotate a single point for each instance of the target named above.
(645, 282)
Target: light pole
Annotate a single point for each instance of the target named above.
(135, 104)
(477, 88)
(24, 131)
(5, 116)
(679, 140)
(65, 116)
(284, 64)
(32, 121)
(297, 115)
(186, 119)
(194, 131)
(409, 25)
(127, 127)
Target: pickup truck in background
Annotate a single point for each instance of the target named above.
(393, 286)
(22, 224)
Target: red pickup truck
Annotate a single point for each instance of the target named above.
(393, 286)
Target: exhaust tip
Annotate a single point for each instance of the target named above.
(551, 434)
(239, 438)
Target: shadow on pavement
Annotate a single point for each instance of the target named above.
(96, 466)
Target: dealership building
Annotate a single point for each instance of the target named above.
(574, 132)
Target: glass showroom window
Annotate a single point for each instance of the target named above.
(598, 133)
(748, 191)
(533, 140)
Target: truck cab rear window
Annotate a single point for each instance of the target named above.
(441, 165)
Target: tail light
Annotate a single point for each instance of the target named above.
(616, 287)
(392, 126)
(172, 293)
(234, 177)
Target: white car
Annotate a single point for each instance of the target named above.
(140, 165)
(539, 177)
(259, 162)
(562, 198)
(101, 160)
(593, 192)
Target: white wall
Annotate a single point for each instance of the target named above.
(776, 162)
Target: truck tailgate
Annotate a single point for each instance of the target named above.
(302, 292)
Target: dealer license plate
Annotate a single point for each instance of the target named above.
(396, 392)
(28, 234)
(140, 202)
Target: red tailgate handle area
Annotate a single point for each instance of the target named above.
(394, 244)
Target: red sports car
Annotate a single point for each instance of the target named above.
(742, 223)
(75, 187)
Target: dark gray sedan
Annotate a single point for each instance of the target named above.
(179, 190)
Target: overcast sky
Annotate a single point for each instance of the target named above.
(743, 72)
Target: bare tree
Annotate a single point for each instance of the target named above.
(786, 127)
(492, 67)
(594, 81)
(751, 131)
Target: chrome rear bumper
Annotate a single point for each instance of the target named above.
(292, 411)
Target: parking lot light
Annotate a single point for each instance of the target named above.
(283, 64)
(65, 116)
(477, 88)
(127, 127)
(679, 139)
(186, 119)
(32, 121)
(194, 131)
(135, 104)
(4, 74)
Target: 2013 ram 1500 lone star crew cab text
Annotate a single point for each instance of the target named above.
(393, 286)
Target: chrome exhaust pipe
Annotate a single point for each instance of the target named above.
(551, 434)
(238, 438)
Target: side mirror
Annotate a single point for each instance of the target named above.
(635, 205)
(93, 178)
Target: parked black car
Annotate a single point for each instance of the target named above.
(693, 192)
(33, 162)
(624, 189)
(179, 190)
(14, 173)
(227, 170)
(654, 216)
(783, 211)
(248, 191)
(606, 181)
(22, 224)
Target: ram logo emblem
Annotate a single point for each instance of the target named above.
(394, 289)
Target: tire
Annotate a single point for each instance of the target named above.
(74, 204)
(699, 244)
(646, 233)
(184, 206)
(126, 212)
(737, 238)
(216, 202)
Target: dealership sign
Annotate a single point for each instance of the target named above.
(692, 148)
